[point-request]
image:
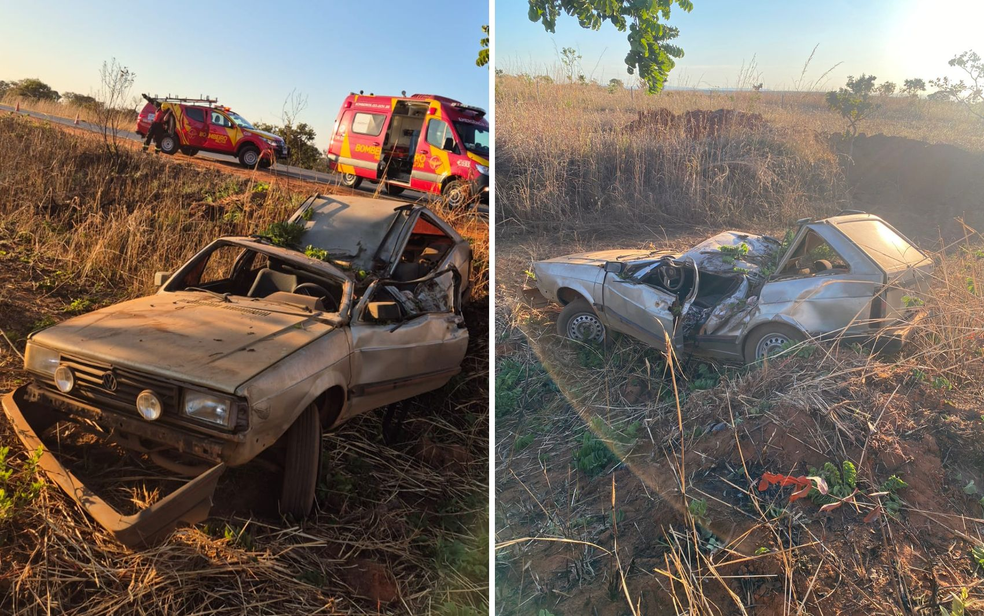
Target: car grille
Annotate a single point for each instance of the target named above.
(91, 386)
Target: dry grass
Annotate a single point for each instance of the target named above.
(398, 528)
(562, 155)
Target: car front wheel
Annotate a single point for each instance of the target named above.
(770, 340)
(456, 194)
(302, 464)
(579, 322)
(249, 156)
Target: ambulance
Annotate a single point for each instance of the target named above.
(423, 142)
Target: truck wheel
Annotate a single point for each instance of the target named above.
(769, 340)
(351, 180)
(579, 322)
(394, 190)
(169, 144)
(187, 151)
(249, 156)
(456, 194)
(302, 464)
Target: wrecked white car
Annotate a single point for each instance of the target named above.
(739, 297)
(250, 346)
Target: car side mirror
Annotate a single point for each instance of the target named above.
(160, 278)
(613, 267)
(448, 144)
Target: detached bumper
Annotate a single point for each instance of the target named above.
(189, 504)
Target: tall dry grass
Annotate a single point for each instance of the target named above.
(562, 154)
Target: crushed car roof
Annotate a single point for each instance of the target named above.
(351, 229)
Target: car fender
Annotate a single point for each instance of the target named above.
(279, 394)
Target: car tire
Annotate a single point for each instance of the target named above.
(456, 193)
(579, 322)
(249, 156)
(769, 338)
(394, 191)
(302, 464)
(351, 180)
(169, 144)
(187, 151)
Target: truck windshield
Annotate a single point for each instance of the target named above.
(238, 119)
(474, 137)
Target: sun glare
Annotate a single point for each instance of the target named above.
(927, 35)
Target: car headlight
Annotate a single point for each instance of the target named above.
(64, 379)
(484, 170)
(41, 360)
(208, 407)
(149, 405)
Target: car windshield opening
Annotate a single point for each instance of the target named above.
(240, 120)
(229, 270)
(474, 137)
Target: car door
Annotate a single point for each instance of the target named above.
(646, 311)
(365, 137)
(824, 284)
(221, 132)
(431, 163)
(402, 345)
(192, 126)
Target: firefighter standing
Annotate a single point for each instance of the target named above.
(158, 128)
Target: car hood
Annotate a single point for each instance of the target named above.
(264, 134)
(188, 337)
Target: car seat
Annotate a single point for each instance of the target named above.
(269, 281)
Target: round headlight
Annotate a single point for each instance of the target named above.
(64, 379)
(149, 405)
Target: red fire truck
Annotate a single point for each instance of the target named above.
(200, 124)
(423, 142)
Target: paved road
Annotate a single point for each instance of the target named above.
(279, 169)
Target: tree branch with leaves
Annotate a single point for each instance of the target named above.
(651, 54)
(971, 94)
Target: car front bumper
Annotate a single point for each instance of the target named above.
(189, 504)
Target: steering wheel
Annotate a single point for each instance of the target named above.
(671, 277)
(316, 290)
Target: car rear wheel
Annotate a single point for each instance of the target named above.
(394, 190)
(579, 322)
(302, 464)
(769, 340)
(187, 151)
(351, 180)
(456, 194)
(169, 144)
(249, 156)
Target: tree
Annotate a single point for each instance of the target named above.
(615, 85)
(572, 63)
(80, 100)
(853, 102)
(115, 81)
(887, 88)
(300, 140)
(650, 51)
(34, 89)
(483, 52)
(971, 95)
(912, 87)
(5, 86)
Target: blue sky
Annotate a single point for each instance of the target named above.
(893, 39)
(252, 54)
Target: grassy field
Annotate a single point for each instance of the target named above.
(397, 529)
(572, 152)
(627, 483)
